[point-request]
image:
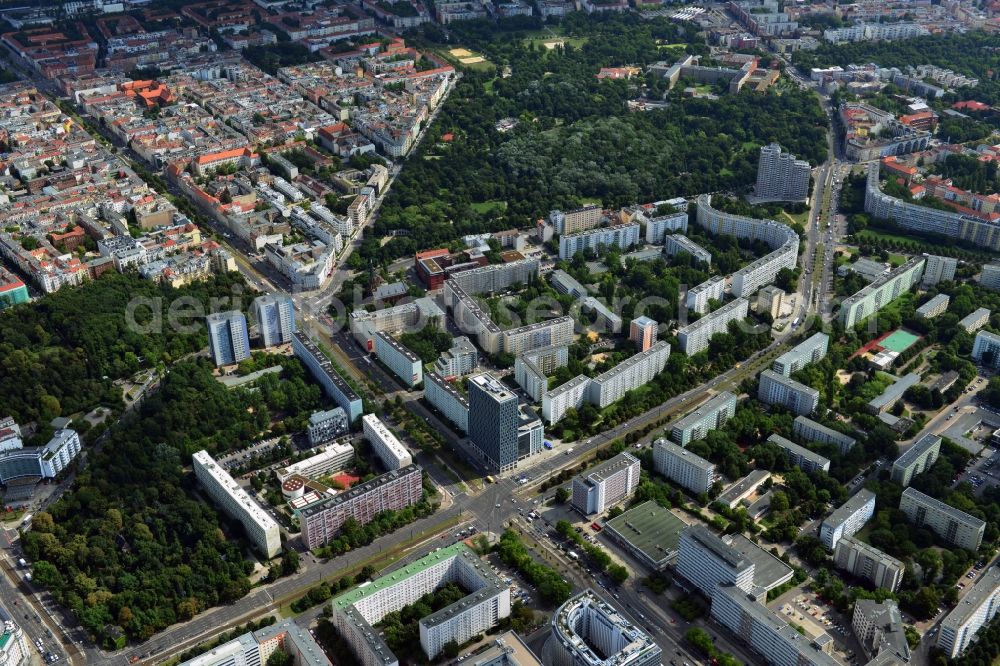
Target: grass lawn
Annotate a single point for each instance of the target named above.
(897, 259)
(870, 234)
(539, 42)
(489, 206)
(798, 218)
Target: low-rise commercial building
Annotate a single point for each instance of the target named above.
(649, 532)
(918, 459)
(892, 394)
(809, 351)
(386, 446)
(588, 631)
(775, 389)
(799, 456)
(806, 430)
(868, 562)
(390, 492)
(598, 489)
(951, 525)
(355, 612)
(744, 488)
(323, 371)
(695, 337)
(260, 528)
(328, 459)
(848, 518)
(685, 468)
(710, 415)
(975, 610)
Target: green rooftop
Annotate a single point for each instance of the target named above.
(352, 597)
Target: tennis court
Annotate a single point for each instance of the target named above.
(899, 341)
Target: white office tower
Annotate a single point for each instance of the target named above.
(711, 415)
(706, 561)
(809, 351)
(275, 315)
(938, 269)
(954, 526)
(847, 519)
(386, 446)
(781, 177)
(880, 630)
(866, 561)
(260, 528)
(228, 340)
(775, 389)
(986, 349)
(766, 632)
(974, 611)
(588, 631)
(355, 612)
(683, 467)
(597, 490)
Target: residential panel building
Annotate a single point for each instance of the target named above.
(974, 321)
(938, 269)
(799, 456)
(974, 611)
(951, 525)
(598, 489)
(934, 307)
(357, 611)
(386, 445)
(706, 562)
(462, 359)
(621, 236)
(228, 340)
(445, 398)
(531, 369)
(886, 289)
(570, 395)
(275, 315)
(404, 363)
(766, 632)
(848, 518)
(781, 177)
(695, 337)
(918, 459)
(879, 628)
(868, 562)
(986, 349)
(698, 297)
(683, 467)
(392, 491)
(324, 373)
(327, 459)
(642, 331)
(807, 430)
(809, 351)
(674, 244)
(710, 415)
(630, 374)
(775, 389)
(578, 219)
(990, 277)
(658, 227)
(261, 529)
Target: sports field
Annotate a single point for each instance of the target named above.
(899, 341)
